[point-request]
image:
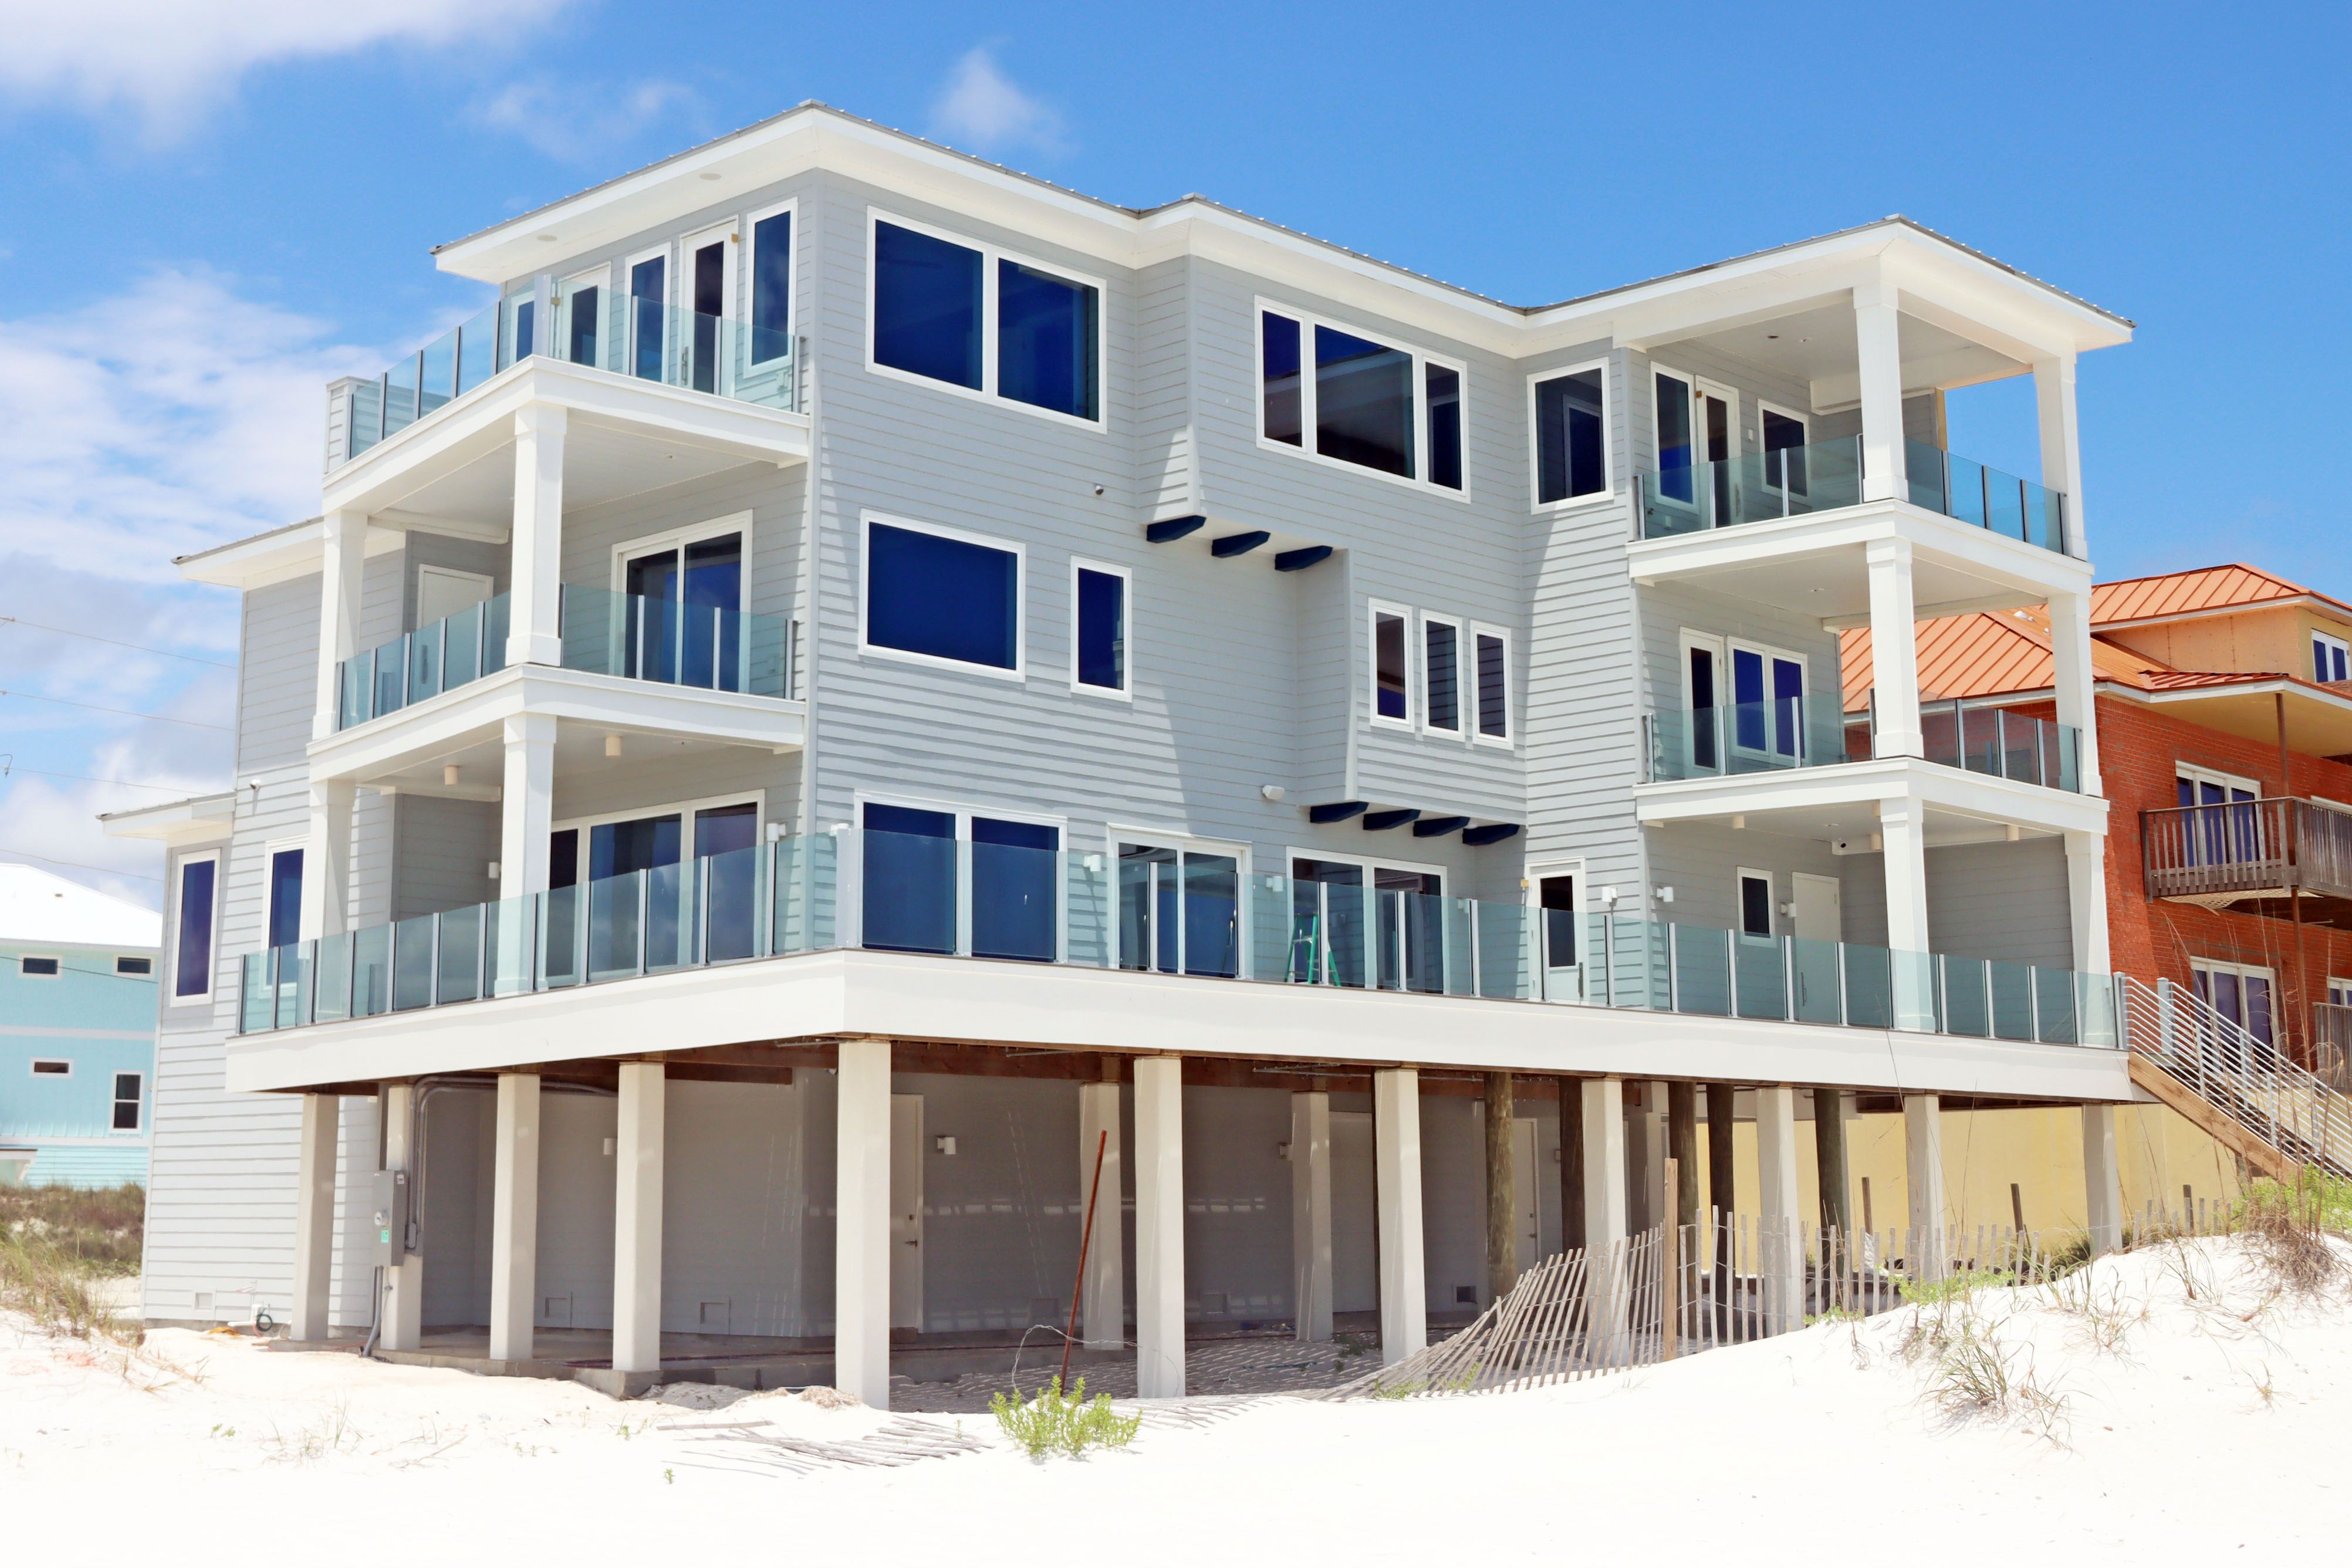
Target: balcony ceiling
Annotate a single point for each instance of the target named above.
(599, 464)
(2318, 722)
(1816, 346)
(580, 760)
(1833, 585)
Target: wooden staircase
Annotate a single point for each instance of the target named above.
(2235, 1088)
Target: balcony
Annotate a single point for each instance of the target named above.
(1795, 481)
(910, 894)
(704, 646)
(644, 339)
(1788, 732)
(2267, 856)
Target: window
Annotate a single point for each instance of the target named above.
(1493, 650)
(285, 897)
(1179, 908)
(128, 965)
(40, 968)
(1571, 433)
(521, 311)
(192, 966)
(2331, 658)
(771, 287)
(2241, 992)
(1768, 696)
(580, 303)
(1555, 895)
(1440, 674)
(938, 596)
(971, 316)
(610, 857)
(1098, 635)
(648, 314)
(1354, 920)
(51, 1067)
(681, 619)
(1702, 666)
(128, 1094)
(1370, 403)
(1784, 451)
(918, 898)
(1755, 902)
(2218, 835)
(1391, 697)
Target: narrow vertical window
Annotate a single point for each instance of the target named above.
(1285, 412)
(127, 1097)
(1755, 903)
(648, 293)
(285, 897)
(191, 967)
(1441, 666)
(1049, 341)
(771, 287)
(580, 318)
(1676, 437)
(1703, 716)
(926, 306)
(1494, 688)
(1571, 456)
(1102, 629)
(1443, 395)
(1389, 697)
(1784, 453)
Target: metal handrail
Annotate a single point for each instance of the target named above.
(2245, 1078)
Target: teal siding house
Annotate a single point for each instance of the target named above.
(77, 1032)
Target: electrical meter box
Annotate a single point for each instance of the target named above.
(388, 1221)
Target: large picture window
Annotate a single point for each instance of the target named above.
(938, 880)
(968, 315)
(938, 596)
(1347, 397)
(1572, 433)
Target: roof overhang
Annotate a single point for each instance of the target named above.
(279, 556)
(199, 819)
(2318, 721)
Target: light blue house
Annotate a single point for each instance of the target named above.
(77, 1032)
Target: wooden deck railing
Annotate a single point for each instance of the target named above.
(2247, 847)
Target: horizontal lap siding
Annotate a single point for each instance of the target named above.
(2002, 901)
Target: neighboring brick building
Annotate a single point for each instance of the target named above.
(2225, 735)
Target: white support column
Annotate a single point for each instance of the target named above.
(1878, 345)
(2086, 900)
(2075, 680)
(537, 576)
(526, 804)
(861, 1237)
(514, 1217)
(1310, 1214)
(638, 1218)
(1160, 1227)
(1893, 650)
(327, 876)
(2061, 447)
(1604, 1162)
(1102, 1299)
(1903, 834)
(344, 534)
(1923, 1152)
(1396, 1177)
(401, 1316)
(2102, 1180)
(314, 1216)
(1780, 1220)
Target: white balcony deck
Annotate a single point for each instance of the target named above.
(1839, 803)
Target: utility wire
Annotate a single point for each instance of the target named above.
(117, 642)
(126, 712)
(77, 865)
(7, 768)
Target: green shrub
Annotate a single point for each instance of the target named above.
(1953, 1286)
(1055, 1423)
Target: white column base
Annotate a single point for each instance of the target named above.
(514, 1217)
(400, 1318)
(1310, 1214)
(638, 1218)
(861, 1237)
(1102, 1305)
(1396, 1164)
(1781, 1221)
(1160, 1227)
(314, 1216)
(2102, 1180)
(1923, 1153)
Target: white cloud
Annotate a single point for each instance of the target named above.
(571, 122)
(167, 60)
(985, 110)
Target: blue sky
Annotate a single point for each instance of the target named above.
(209, 209)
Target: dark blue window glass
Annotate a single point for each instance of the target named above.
(771, 287)
(1749, 727)
(582, 311)
(1047, 340)
(1014, 878)
(285, 897)
(911, 883)
(1102, 630)
(1676, 452)
(1363, 402)
(926, 306)
(944, 597)
(1567, 437)
(1444, 398)
(1787, 705)
(1494, 689)
(192, 968)
(1278, 351)
(523, 314)
(1703, 714)
(1441, 665)
(648, 292)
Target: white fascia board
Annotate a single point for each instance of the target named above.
(1883, 780)
(2028, 568)
(921, 997)
(279, 556)
(198, 819)
(463, 715)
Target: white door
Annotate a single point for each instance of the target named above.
(907, 1210)
(1355, 1271)
(1818, 916)
(1524, 1195)
(706, 292)
(1552, 894)
(442, 592)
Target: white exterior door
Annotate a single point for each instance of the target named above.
(1819, 917)
(442, 592)
(907, 1210)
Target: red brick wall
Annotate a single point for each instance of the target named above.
(2138, 746)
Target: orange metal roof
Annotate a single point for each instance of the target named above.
(2235, 587)
(1985, 655)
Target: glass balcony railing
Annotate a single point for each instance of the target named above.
(1759, 487)
(642, 338)
(1790, 733)
(908, 893)
(662, 640)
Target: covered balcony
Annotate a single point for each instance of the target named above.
(1776, 735)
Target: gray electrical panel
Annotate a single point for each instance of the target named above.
(388, 1224)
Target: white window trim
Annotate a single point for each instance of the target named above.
(270, 850)
(2195, 775)
(868, 648)
(1367, 861)
(962, 816)
(24, 974)
(1464, 678)
(2335, 643)
(600, 279)
(2337, 985)
(739, 522)
(749, 270)
(1766, 405)
(1538, 871)
(1726, 698)
(33, 1068)
(147, 959)
(1126, 630)
(1374, 610)
(1182, 844)
(1739, 880)
(1608, 490)
(1307, 321)
(180, 864)
(990, 255)
(1510, 738)
(115, 1098)
(686, 809)
(624, 343)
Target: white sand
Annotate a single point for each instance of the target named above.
(2220, 1422)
